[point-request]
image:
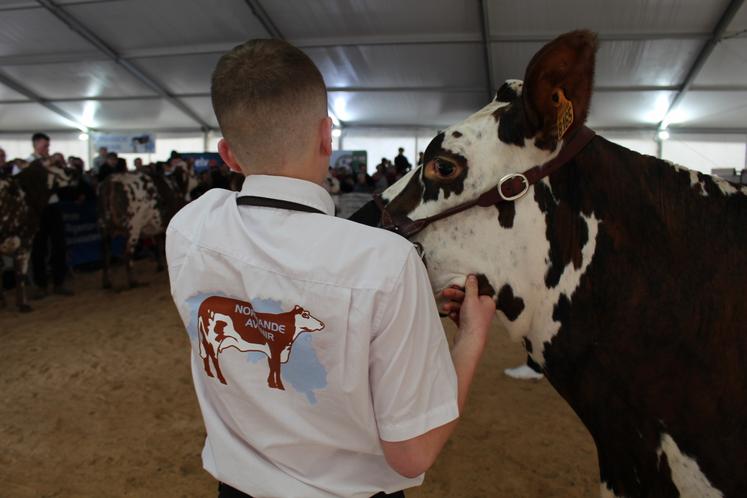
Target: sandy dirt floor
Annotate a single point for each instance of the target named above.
(97, 401)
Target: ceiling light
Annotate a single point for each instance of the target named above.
(83, 137)
(663, 135)
(336, 132)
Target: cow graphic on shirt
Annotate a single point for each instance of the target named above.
(225, 323)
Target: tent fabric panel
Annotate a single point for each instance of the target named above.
(628, 109)
(406, 65)
(405, 108)
(150, 114)
(203, 107)
(140, 24)
(78, 79)
(739, 23)
(727, 65)
(324, 19)
(712, 109)
(181, 74)
(36, 31)
(550, 17)
(10, 94)
(31, 116)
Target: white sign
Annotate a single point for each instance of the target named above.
(136, 142)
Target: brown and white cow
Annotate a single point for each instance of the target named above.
(623, 274)
(134, 205)
(22, 200)
(225, 323)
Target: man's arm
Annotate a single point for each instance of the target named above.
(412, 457)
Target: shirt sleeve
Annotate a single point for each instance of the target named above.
(413, 382)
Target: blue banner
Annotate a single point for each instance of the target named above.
(82, 233)
(203, 160)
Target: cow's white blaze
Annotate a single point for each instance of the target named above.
(686, 474)
(544, 327)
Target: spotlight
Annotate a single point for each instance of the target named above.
(83, 137)
(663, 135)
(336, 132)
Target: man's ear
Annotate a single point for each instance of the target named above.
(557, 87)
(224, 149)
(325, 136)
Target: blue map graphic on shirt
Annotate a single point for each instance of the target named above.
(303, 371)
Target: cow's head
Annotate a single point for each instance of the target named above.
(524, 126)
(305, 322)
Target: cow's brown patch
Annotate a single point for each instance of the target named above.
(483, 286)
(511, 126)
(509, 304)
(506, 93)
(432, 186)
(409, 198)
(662, 359)
(566, 232)
(506, 214)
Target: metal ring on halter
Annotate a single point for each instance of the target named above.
(509, 177)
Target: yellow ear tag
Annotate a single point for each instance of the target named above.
(565, 114)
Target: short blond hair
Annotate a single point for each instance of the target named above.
(268, 97)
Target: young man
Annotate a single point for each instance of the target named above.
(49, 247)
(318, 357)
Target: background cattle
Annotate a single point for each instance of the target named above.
(23, 197)
(135, 205)
(624, 275)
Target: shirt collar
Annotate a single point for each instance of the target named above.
(289, 189)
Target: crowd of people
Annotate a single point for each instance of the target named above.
(343, 179)
(49, 255)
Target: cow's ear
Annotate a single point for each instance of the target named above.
(557, 87)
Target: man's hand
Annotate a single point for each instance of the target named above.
(455, 296)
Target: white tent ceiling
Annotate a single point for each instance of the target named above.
(146, 64)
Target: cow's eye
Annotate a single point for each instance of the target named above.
(305, 314)
(444, 168)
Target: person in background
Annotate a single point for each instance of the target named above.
(401, 163)
(138, 164)
(40, 144)
(364, 184)
(49, 241)
(391, 173)
(379, 177)
(420, 158)
(121, 166)
(17, 165)
(108, 167)
(6, 169)
(100, 160)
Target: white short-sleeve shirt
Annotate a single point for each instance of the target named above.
(312, 337)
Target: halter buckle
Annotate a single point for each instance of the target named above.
(508, 178)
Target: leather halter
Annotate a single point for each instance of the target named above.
(510, 188)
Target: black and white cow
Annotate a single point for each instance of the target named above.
(22, 200)
(135, 205)
(624, 276)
